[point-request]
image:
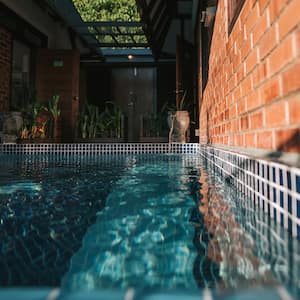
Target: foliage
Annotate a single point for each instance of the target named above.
(89, 121)
(53, 106)
(181, 104)
(110, 10)
(155, 124)
(113, 116)
(35, 121)
(38, 118)
(107, 10)
(108, 123)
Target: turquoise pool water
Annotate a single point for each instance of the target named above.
(146, 222)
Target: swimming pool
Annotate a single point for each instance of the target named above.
(115, 222)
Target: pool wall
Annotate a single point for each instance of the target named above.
(274, 187)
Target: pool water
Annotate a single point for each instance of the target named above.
(143, 221)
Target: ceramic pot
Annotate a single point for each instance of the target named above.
(181, 123)
(12, 122)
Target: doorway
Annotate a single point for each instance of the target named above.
(134, 91)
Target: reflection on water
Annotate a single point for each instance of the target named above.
(238, 242)
(173, 224)
(143, 237)
(158, 222)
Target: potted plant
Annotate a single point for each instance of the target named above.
(36, 119)
(100, 126)
(179, 120)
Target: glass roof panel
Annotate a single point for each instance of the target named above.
(107, 10)
(113, 23)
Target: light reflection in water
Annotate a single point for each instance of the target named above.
(171, 226)
(143, 237)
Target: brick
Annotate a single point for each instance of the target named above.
(281, 56)
(263, 4)
(232, 111)
(249, 140)
(260, 28)
(252, 19)
(275, 8)
(291, 79)
(244, 123)
(297, 39)
(246, 86)
(227, 127)
(276, 115)
(240, 73)
(256, 120)
(253, 100)
(288, 140)
(241, 106)
(251, 61)
(294, 110)
(289, 18)
(265, 140)
(267, 42)
(259, 74)
(245, 49)
(270, 90)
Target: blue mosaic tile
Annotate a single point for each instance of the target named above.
(289, 204)
(290, 225)
(281, 177)
(274, 174)
(274, 195)
(281, 199)
(298, 184)
(289, 181)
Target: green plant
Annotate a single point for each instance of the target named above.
(113, 120)
(181, 103)
(35, 120)
(94, 123)
(53, 106)
(89, 121)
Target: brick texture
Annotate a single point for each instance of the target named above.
(61, 80)
(252, 97)
(5, 68)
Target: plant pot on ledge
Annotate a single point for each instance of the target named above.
(179, 122)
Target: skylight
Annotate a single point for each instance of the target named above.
(112, 23)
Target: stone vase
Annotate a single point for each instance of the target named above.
(12, 122)
(181, 123)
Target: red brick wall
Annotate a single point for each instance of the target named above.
(5, 68)
(63, 81)
(252, 98)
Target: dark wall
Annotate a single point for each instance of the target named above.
(98, 85)
(166, 84)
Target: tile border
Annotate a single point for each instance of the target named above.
(94, 149)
